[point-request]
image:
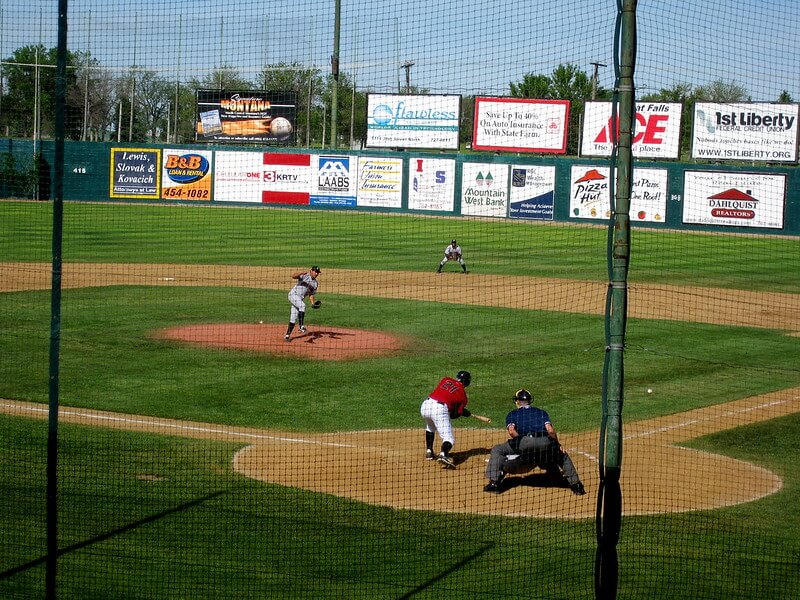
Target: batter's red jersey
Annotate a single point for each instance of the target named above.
(450, 392)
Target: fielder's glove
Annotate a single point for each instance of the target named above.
(316, 304)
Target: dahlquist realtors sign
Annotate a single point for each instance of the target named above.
(734, 199)
(413, 121)
(751, 132)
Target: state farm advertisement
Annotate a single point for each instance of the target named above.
(590, 194)
(656, 133)
(380, 182)
(734, 199)
(431, 184)
(262, 177)
(484, 189)
(751, 132)
(520, 125)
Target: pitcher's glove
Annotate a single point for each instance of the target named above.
(316, 304)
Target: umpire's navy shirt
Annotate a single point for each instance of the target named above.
(528, 419)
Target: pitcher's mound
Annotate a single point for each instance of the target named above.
(320, 342)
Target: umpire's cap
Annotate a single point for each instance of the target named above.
(316, 269)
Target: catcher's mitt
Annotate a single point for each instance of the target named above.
(316, 304)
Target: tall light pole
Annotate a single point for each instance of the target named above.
(335, 73)
(594, 78)
(407, 66)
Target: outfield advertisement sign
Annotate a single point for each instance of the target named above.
(734, 199)
(380, 182)
(413, 121)
(590, 194)
(532, 192)
(520, 125)
(135, 173)
(656, 130)
(431, 184)
(246, 117)
(335, 180)
(262, 177)
(186, 175)
(484, 189)
(747, 131)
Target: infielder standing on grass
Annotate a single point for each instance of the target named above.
(452, 252)
(448, 400)
(306, 285)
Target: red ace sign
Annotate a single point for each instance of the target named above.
(656, 130)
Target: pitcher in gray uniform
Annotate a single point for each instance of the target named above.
(306, 285)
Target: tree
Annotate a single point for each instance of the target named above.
(721, 91)
(785, 98)
(153, 101)
(305, 82)
(30, 74)
(346, 94)
(225, 77)
(532, 86)
(566, 82)
(93, 99)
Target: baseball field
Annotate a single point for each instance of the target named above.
(199, 448)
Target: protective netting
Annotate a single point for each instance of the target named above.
(203, 455)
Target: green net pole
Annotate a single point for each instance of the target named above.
(55, 304)
(609, 503)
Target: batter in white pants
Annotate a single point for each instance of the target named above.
(437, 418)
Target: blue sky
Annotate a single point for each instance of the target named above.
(456, 46)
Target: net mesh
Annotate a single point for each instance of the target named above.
(201, 454)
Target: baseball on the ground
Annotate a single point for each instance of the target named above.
(649, 390)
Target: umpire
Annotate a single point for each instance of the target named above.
(533, 443)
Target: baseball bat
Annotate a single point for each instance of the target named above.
(481, 418)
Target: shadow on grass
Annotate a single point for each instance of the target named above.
(460, 564)
(114, 532)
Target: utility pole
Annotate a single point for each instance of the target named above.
(594, 78)
(335, 74)
(407, 66)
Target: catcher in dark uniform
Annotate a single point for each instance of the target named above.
(533, 443)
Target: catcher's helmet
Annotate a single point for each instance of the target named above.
(464, 377)
(523, 395)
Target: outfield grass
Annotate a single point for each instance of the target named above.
(344, 239)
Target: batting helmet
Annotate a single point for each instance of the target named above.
(464, 377)
(523, 395)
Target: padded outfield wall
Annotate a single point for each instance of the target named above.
(691, 196)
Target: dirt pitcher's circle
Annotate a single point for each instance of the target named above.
(320, 342)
